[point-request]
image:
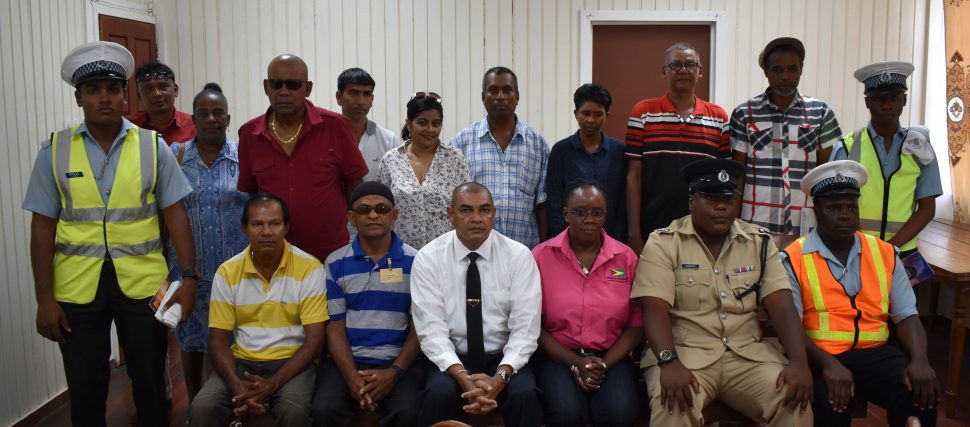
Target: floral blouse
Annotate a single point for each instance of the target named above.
(423, 205)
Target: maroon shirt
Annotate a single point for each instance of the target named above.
(180, 129)
(311, 181)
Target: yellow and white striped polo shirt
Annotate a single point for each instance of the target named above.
(267, 318)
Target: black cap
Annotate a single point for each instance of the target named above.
(779, 42)
(712, 176)
(371, 188)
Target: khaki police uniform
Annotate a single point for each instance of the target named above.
(716, 335)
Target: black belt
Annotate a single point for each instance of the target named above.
(585, 352)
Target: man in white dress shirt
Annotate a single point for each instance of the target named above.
(474, 275)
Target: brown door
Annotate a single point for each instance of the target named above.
(627, 60)
(139, 38)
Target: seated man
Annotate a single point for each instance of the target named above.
(272, 299)
(700, 282)
(370, 335)
(476, 302)
(846, 314)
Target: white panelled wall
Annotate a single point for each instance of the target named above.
(407, 45)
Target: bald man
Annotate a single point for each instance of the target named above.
(305, 155)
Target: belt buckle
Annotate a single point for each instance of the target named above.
(584, 352)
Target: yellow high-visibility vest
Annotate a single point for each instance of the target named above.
(885, 204)
(125, 231)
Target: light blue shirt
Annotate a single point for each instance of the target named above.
(516, 176)
(902, 300)
(42, 195)
(214, 207)
(927, 184)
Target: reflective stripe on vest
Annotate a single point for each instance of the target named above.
(885, 204)
(126, 230)
(833, 320)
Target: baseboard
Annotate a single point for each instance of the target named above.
(37, 416)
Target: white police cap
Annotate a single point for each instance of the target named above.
(884, 77)
(97, 60)
(835, 178)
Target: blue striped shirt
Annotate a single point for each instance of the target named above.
(376, 314)
(516, 176)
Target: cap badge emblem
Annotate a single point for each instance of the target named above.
(723, 176)
(884, 77)
(102, 65)
(840, 178)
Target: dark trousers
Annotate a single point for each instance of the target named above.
(334, 406)
(518, 402)
(878, 377)
(615, 403)
(87, 348)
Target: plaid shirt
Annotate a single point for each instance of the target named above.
(781, 148)
(516, 176)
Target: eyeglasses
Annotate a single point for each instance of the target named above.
(381, 209)
(158, 75)
(581, 213)
(291, 84)
(679, 66)
(422, 95)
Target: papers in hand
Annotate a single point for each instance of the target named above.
(171, 316)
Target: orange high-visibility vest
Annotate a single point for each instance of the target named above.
(835, 321)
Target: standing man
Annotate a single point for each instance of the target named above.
(663, 135)
(898, 206)
(304, 154)
(355, 96)
(157, 90)
(480, 335)
(371, 338)
(510, 158)
(266, 325)
(846, 315)
(700, 282)
(779, 136)
(95, 247)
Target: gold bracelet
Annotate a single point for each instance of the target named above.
(463, 370)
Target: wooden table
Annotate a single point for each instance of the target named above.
(946, 247)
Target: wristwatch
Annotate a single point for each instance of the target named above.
(666, 356)
(190, 272)
(505, 376)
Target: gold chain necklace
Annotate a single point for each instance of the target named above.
(272, 125)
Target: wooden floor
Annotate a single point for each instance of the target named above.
(121, 408)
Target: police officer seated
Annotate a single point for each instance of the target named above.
(847, 286)
(699, 282)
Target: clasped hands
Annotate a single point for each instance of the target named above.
(371, 386)
(481, 392)
(250, 395)
(589, 372)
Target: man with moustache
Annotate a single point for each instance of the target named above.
(664, 135)
(305, 155)
(510, 158)
(157, 90)
(97, 192)
(847, 286)
(700, 282)
(355, 96)
(779, 136)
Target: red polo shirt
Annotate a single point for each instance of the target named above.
(311, 181)
(180, 129)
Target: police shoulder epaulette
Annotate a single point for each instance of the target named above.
(664, 230)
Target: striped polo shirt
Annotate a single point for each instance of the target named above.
(267, 318)
(376, 314)
(781, 147)
(664, 142)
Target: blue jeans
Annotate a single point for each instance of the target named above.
(613, 404)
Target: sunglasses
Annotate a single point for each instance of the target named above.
(291, 84)
(422, 95)
(381, 209)
(158, 75)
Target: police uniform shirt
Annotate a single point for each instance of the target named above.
(706, 317)
(42, 196)
(902, 300)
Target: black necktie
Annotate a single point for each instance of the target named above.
(473, 316)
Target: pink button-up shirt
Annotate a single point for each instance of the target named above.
(583, 311)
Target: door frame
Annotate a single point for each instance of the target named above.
(717, 20)
(127, 9)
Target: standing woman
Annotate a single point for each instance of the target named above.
(211, 164)
(589, 324)
(422, 172)
(589, 154)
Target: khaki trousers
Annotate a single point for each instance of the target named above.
(745, 385)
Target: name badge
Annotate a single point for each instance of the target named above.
(392, 275)
(77, 174)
